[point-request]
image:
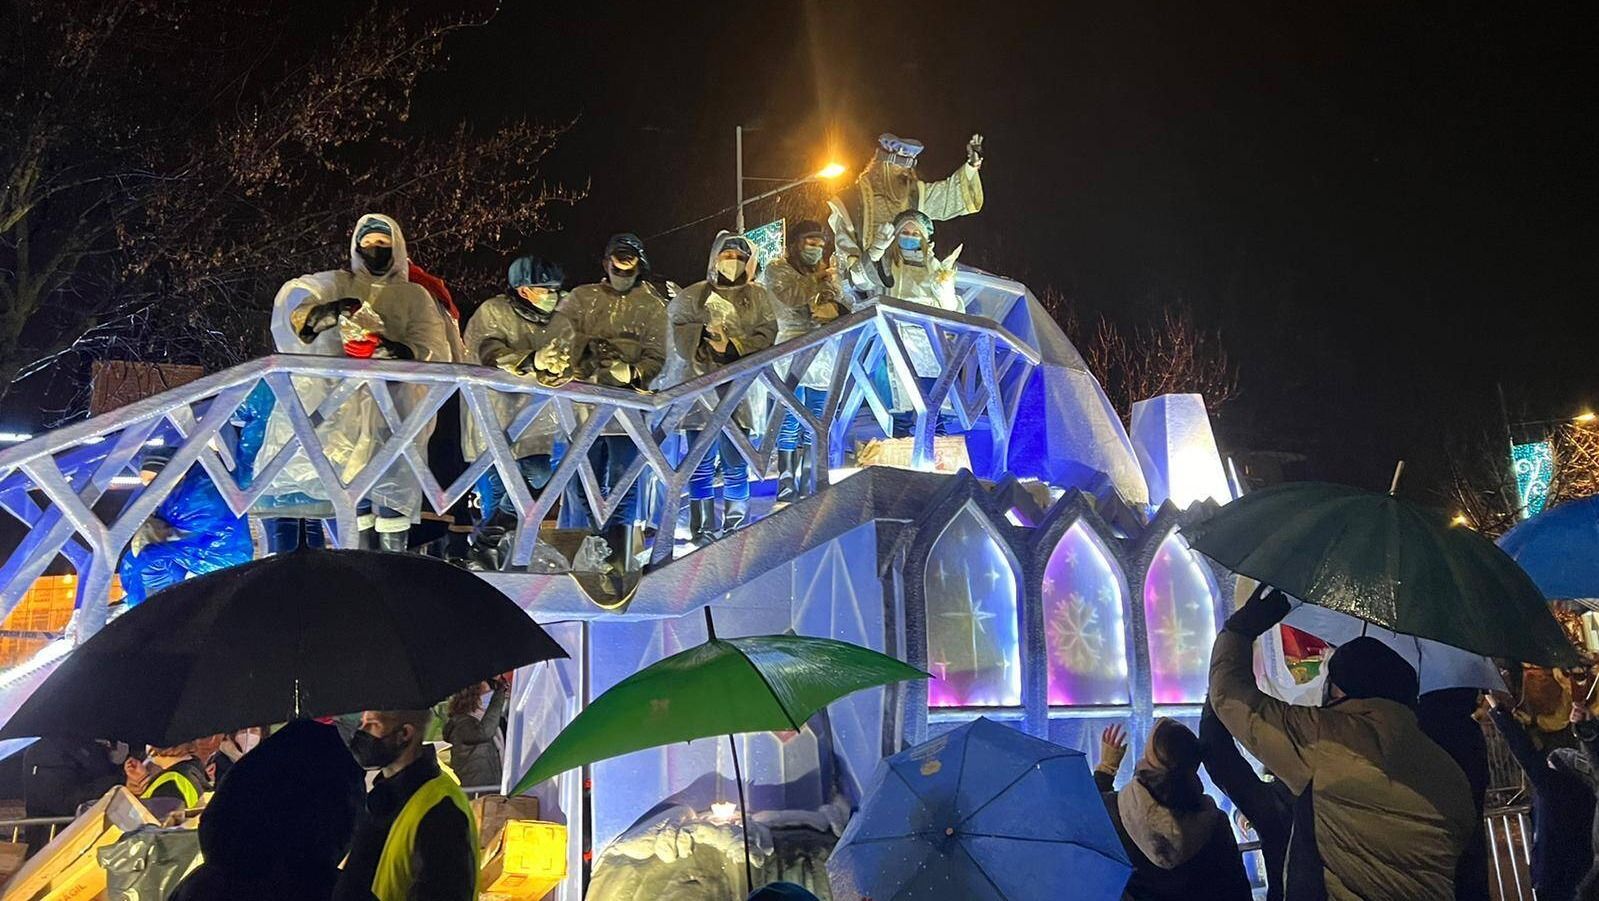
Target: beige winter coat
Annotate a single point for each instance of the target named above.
(1392, 811)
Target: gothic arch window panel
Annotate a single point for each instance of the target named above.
(973, 627)
(1084, 632)
(1180, 615)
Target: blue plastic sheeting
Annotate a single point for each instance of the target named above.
(1559, 548)
(983, 812)
(208, 536)
(1081, 443)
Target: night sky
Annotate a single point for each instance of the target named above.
(1385, 209)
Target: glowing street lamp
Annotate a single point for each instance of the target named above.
(829, 171)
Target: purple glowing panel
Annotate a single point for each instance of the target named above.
(1180, 611)
(1084, 635)
(973, 630)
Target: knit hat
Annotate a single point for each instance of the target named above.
(1367, 668)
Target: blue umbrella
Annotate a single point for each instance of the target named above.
(1559, 548)
(982, 813)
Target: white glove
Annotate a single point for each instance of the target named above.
(554, 357)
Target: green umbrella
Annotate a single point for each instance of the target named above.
(1388, 562)
(764, 683)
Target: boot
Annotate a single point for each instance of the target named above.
(734, 512)
(623, 541)
(394, 542)
(788, 490)
(366, 540)
(804, 473)
(490, 542)
(701, 521)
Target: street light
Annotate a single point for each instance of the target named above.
(831, 170)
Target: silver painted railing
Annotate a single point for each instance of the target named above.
(52, 483)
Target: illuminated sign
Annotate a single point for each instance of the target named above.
(1534, 465)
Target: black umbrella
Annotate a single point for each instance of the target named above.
(304, 634)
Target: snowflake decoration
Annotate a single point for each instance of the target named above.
(1075, 634)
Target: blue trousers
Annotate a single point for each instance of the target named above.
(536, 470)
(723, 456)
(793, 435)
(284, 534)
(610, 456)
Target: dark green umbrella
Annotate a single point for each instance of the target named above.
(765, 683)
(1388, 562)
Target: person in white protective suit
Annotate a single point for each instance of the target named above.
(862, 215)
(714, 323)
(807, 295)
(909, 270)
(370, 310)
(506, 332)
(612, 333)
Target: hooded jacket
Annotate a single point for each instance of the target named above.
(746, 312)
(352, 434)
(503, 333)
(1178, 841)
(631, 325)
(795, 294)
(281, 821)
(1390, 813)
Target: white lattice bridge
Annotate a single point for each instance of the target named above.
(54, 482)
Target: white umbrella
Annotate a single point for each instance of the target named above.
(1438, 665)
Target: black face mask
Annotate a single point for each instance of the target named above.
(374, 753)
(377, 259)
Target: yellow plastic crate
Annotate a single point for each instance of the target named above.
(46, 606)
(525, 861)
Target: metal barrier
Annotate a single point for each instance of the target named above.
(1509, 836)
(14, 828)
(52, 483)
(1510, 852)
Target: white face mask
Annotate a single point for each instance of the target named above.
(729, 269)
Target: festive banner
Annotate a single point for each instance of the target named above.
(1534, 465)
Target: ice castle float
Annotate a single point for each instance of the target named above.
(1048, 587)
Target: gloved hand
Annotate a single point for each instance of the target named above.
(881, 241)
(621, 373)
(974, 152)
(1264, 609)
(554, 357)
(1112, 748)
(391, 350)
(324, 316)
(826, 311)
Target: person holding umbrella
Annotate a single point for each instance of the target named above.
(414, 837)
(1381, 810)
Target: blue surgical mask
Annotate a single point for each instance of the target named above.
(811, 255)
(910, 242)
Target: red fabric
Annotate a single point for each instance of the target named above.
(1299, 645)
(435, 286)
(362, 349)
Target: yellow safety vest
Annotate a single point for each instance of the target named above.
(392, 881)
(186, 787)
